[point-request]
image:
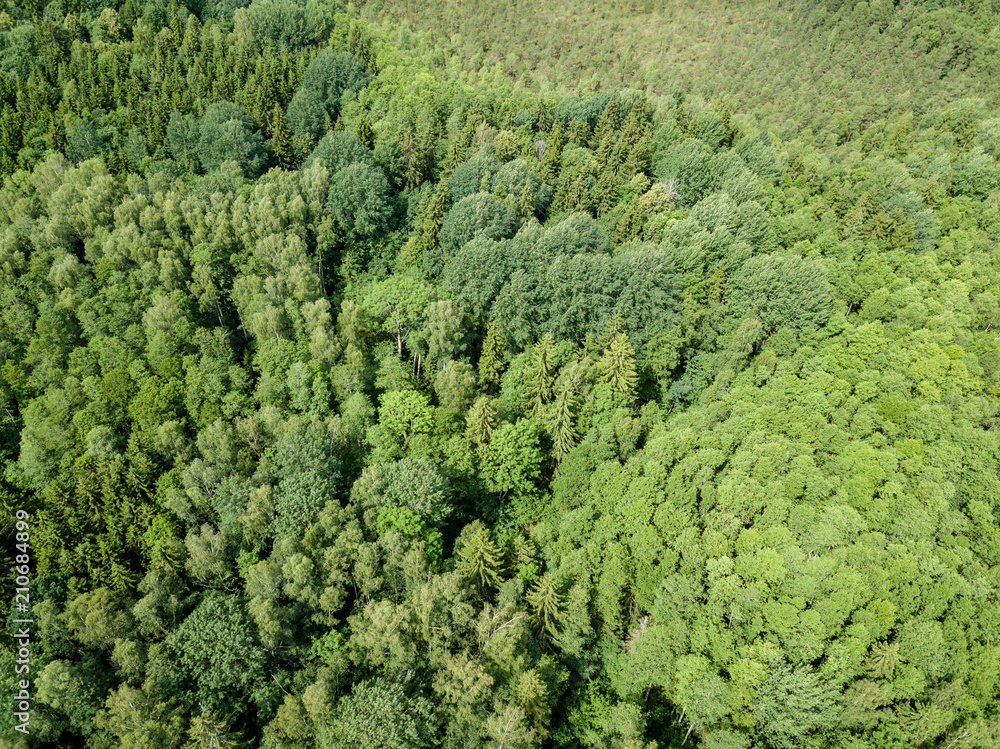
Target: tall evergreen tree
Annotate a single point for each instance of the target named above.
(617, 367)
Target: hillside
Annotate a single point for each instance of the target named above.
(821, 68)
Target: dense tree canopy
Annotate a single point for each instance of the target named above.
(358, 397)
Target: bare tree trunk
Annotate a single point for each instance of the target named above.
(688, 734)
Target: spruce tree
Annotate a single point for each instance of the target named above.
(561, 425)
(546, 607)
(481, 561)
(281, 139)
(480, 421)
(492, 361)
(540, 373)
(617, 367)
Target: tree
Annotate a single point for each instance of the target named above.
(480, 422)
(308, 476)
(780, 290)
(471, 176)
(359, 201)
(513, 460)
(281, 23)
(399, 303)
(417, 484)
(508, 728)
(541, 372)
(280, 144)
(546, 606)
(479, 558)
(424, 244)
(493, 357)
(455, 386)
(325, 81)
(561, 423)
(337, 150)
(216, 651)
(379, 713)
(617, 367)
(226, 133)
(140, 721)
(477, 215)
(402, 416)
(687, 163)
(793, 704)
(445, 332)
(212, 732)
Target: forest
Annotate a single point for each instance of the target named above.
(466, 375)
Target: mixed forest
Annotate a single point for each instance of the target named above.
(478, 375)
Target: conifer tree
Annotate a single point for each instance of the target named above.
(541, 374)
(209, 731)
(481, 560)
(526, 203)
(561, 425)
(546, 606)
(617, 367)
(480, 421)
(579, 133)
(281, 139)
(492, 362)
(553, 153)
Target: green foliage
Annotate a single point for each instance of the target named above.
(215, 651)
(514, 460)
(325, 81)
(793, 704)
(477, 215)
(359, 201)
(780, 291)
(686, 399)
(281, 23)
(379, 713)
(226, 133)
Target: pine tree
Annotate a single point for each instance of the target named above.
(617, 367)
